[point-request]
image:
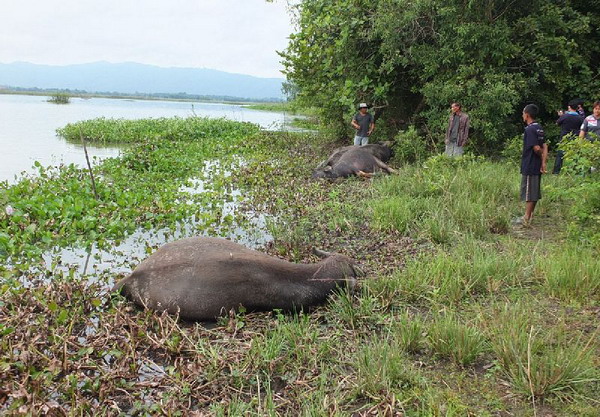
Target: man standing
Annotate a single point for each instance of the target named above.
(533, 163)
(457, 133)
(570, 123)
(364, 123)
(590, 128)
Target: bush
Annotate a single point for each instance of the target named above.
(410, 147)
(581, 155)
(513, 148)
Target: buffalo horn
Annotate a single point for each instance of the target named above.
(321, 253)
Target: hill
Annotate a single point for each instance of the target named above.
(133, 78)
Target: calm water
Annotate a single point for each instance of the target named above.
(28, 125)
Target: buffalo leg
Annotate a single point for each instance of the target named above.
(384, 166)
(365, 174)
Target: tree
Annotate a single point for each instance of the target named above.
(412, 58)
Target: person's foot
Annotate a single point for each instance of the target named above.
(521, 221)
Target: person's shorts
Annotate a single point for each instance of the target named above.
(531, 187)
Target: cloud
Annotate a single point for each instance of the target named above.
(240, 36)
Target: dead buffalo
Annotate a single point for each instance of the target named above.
(381, 151)
(202, 278)
(357, 160)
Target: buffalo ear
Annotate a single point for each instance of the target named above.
(321, 253)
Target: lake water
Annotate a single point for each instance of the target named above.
(28, 125)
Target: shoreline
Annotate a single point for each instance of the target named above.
(135, 97)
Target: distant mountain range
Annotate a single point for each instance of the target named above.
(133, 78)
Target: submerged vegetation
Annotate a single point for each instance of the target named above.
(459, 314)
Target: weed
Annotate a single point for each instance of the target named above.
(539, 363)
(449, 338)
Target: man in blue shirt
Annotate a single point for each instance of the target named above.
(533, 162)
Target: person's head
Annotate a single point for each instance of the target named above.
(596, 109)
(530, 112)
(574, 105)
(362, 107)
(455, 107)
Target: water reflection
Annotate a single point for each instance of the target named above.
(236, 223)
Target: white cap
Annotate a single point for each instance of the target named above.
(361, 105)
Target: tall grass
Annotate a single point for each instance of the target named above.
(539, 362)
(448, 199)
(572, 274)
(449, 338)
(383, 369)
(456, 274)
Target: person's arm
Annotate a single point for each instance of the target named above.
(583, 129)
(371, 128)
(544, 158)
(355, 124)
(466, 131)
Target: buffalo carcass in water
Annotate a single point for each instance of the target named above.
(363, 161)
(202, 278)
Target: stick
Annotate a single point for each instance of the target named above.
(87, 158)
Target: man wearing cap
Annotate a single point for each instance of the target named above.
(457, 133)
(364, 123)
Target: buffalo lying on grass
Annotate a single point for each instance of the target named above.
(381, 151)
(202, 278)
(362, 161)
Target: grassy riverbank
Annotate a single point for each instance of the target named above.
(460, 314)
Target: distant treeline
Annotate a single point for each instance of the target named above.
(136, 95)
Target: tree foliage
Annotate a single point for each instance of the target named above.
(412, 58)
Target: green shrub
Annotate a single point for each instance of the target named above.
(410, 147)
(513, 148)
(581, 155)
(580, 197)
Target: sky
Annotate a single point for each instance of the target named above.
(239, 36)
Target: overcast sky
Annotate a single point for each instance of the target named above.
(239, 36)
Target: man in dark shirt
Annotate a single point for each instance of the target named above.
(570, 123)
(364, 123)
(533, 162)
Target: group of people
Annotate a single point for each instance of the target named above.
(535, 149)
(457, 133)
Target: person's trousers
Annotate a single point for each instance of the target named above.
(558, 162)
(361, 140)
(452, 149)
